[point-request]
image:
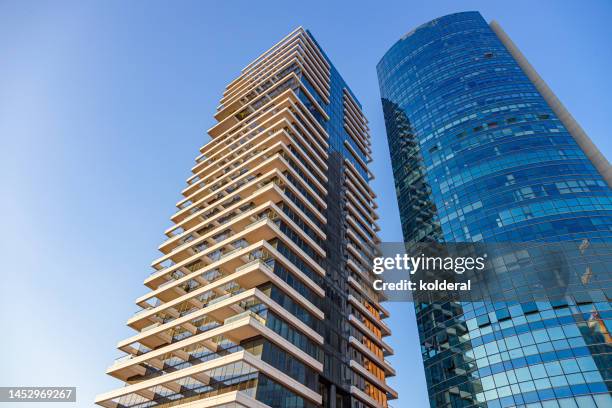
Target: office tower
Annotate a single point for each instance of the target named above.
(482, 151)
(260, 298)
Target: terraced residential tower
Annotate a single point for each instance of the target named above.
(260, 298)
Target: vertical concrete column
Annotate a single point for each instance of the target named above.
(582, 139)
(332, 396)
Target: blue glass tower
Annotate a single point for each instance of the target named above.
(482, 151)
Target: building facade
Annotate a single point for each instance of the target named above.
(482, 151)
(260, 297)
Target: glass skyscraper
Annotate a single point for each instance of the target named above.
(482, 151)
(260, 296)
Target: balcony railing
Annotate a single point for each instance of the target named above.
(243, 315)
(123, 359)
(142, 311)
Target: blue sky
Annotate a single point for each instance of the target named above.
(103, 106)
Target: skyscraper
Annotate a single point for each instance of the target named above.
(482, 151)
(260, 298)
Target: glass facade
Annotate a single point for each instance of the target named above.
(478, 155)
(349, 152)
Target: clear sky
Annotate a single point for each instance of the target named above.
(103, 106)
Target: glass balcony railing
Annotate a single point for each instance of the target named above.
(244, 314)
(219, 299)
(154, 325)
(245, 383)
(123, 359)
(163, 266)
(163, 285)
(142, 311)
(246, 265)
(174, 233)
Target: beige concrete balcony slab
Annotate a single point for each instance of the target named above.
(242, 328)
(172, 289)
(236, 228)
(362, 396)
(363, 329)
(198, 372)
(247, 276)
(359, 180)
(253, 162)
(261, 230)
(239, 398)
(263, 145)
(380, 361)
(372, 378)
(282, 120)
(297, 36)
(358, 191)
(293, 57)
(364, 218)
(157, 335)
(374, 319)
(246, 184)
(290, 108)
(269, 192)
(370, 295)
(231, 123)
(256, 186)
